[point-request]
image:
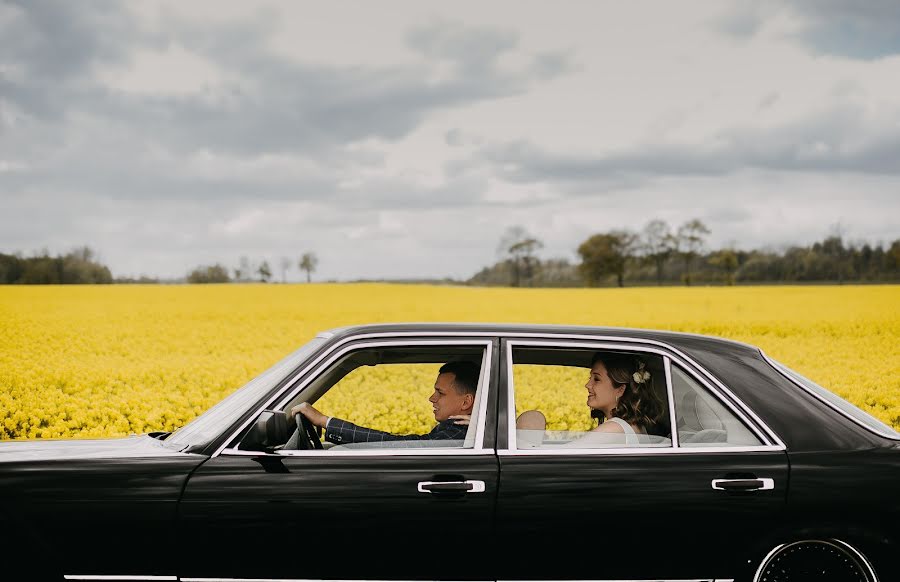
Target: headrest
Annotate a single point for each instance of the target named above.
(697, 415)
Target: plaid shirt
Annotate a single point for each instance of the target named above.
(341, 431)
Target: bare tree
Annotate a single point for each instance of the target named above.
(265, 272)
(690, 241)
(308, 262)
(520, 247)
(657, 244)
(285, 263)
(244, 270)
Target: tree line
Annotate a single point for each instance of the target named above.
(77, 266)
(658, 254)
(81, 266)
(662, 255)
(247, 270)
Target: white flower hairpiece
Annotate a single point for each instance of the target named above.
(641, 375)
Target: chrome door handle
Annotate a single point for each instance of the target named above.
(451, 486)
(765, 484)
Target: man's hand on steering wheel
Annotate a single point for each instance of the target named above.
(314, 416)
(307, 419)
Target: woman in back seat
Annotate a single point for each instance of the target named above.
(621, 396)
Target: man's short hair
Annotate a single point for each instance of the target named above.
(465, 375)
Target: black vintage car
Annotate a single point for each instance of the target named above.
(754, 473)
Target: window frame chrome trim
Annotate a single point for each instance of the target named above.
(120, 577)
(670, 393)
(778, 368)
(322, 580)
(404, 452)
(637, 580)
(638, 451)
(319, 580)
(759, 429)
(326, 359)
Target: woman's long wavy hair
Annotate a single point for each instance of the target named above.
(639, 404)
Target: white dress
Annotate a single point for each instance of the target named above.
(631, 437)
(601, 439)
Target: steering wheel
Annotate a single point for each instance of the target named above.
(308, 438)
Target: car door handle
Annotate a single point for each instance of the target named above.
(764, 484)
(451, 486)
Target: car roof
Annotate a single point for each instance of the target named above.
(682, 340)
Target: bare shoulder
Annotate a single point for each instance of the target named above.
(609, 427)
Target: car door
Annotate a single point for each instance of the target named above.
(389, 514)
(631, 513)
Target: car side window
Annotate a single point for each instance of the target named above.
(384, 397)
(388, 397)
(703, 421)
(562, 396)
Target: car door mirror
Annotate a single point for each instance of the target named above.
(271, 429)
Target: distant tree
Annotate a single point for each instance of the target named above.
(244, 271)
(689, 241)
(520, 247)
(285, 263)
(308, 262)
(209, 274)
(500, 274)
(606, 254)
(43, 270)
(11, 268)
(81, 266)
(834, 258)
(265, 272)
(892, 258)
(657, 244)
(556, 272)
(727, 261)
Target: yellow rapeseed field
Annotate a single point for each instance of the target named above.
(112, 360)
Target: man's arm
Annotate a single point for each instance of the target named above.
(342, 431)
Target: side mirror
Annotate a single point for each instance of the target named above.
(271, 429)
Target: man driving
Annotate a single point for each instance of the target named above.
(451, 401)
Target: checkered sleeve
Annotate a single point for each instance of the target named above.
(340, 431)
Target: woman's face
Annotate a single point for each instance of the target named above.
(601, 391)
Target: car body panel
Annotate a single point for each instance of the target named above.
(851, 496)
(95, 506)
(641, 517)
(274, 514)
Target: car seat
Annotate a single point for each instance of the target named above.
(698, 422)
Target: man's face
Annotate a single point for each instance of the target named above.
(446, 400)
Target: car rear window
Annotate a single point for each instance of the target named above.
(854, 413)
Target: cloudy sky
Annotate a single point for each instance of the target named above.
(400, 139)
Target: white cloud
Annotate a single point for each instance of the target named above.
(171, 71)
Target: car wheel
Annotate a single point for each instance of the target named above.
(815, 560)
